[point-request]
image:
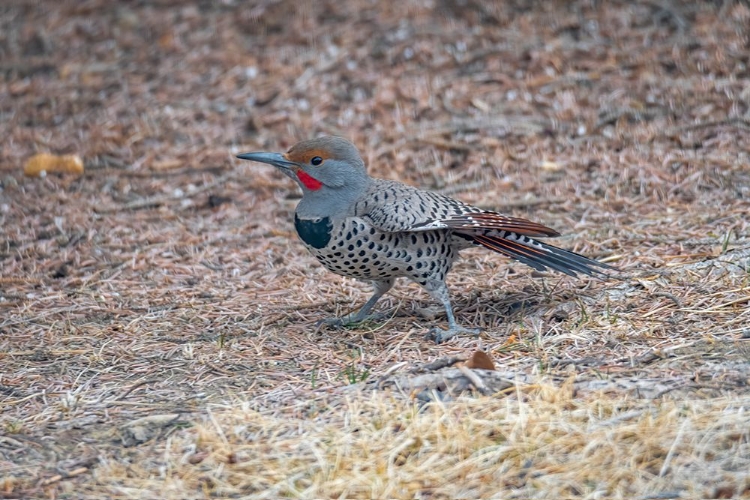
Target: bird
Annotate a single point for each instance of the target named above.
(379, 230)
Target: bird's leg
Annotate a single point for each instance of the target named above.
(439, 291)
(381, 287)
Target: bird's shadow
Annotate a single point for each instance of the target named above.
(511, 308)
(476, 309)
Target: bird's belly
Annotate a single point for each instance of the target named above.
(357, 250)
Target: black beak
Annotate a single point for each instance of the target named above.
(275, 159)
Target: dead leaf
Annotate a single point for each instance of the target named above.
(480, 360)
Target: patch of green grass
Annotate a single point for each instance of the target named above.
(353, 373)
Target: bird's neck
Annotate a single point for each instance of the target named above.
(332, 202)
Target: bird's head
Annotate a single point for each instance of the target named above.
(318, 165)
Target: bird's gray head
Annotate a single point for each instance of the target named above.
(329, 170)
(316, 164)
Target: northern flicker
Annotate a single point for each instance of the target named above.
(378, 230)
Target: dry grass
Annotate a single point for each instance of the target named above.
(167, 284)
(543, 444)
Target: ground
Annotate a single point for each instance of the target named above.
(158, 314)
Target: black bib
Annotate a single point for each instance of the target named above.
(314, 232)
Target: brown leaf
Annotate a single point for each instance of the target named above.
(480, 360)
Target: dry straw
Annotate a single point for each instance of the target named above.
(157, 314)
(537, 443)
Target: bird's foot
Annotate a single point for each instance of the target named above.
(439, 335)
(350, 320)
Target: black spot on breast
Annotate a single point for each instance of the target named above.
(314, 232)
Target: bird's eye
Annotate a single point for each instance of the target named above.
(317, 160)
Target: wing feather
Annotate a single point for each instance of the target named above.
(394, 207)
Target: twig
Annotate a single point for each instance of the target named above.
(612, 115)
(158, 174)
(440, 363)
(19, 281)
(670, 453)
(474, 379)
(134, 387)
(160, 199)
(443, 144)
(669, 296)
(738, 122)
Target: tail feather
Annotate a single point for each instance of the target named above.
(540, 255)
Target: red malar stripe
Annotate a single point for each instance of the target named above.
(309, 182)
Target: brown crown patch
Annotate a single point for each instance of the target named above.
(303, 154)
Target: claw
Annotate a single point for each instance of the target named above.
(439, 335)
(351, 320)
(335, 323)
